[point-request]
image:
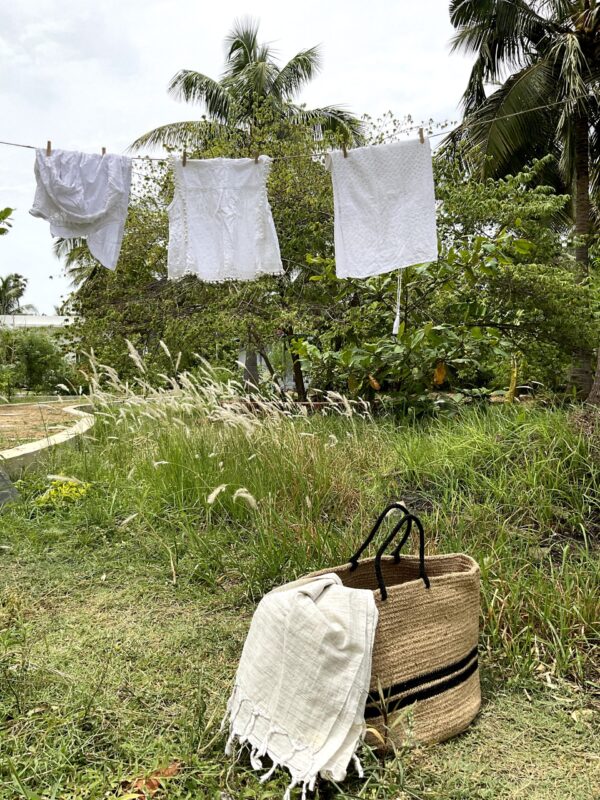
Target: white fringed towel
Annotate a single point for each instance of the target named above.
(303, 679)
(384, 208)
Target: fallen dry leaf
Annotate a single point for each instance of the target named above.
(144, 788)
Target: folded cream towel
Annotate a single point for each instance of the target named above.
(303, 679)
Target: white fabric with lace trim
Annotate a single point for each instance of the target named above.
(303, 680)
(84, 195)
(220, 222)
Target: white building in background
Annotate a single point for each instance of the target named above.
(15, 321)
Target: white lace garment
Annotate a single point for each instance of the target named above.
(84, 195)
(220, 222)
(303, 679)
(384, 208)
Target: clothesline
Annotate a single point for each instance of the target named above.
(464, 125)
(273, 158)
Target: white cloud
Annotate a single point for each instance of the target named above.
(87, 75)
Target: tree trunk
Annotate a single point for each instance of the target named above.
(581, 369)
(583, 216)
(251, 377)
(272, 371)
(594, 395)
(298, 377)
(296, 369)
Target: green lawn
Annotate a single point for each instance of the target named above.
(123, 610)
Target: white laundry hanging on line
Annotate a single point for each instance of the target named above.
(384, 208)
(220, 222)
(84, 195)
(303, 679)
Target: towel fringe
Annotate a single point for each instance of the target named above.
(307, 780)
(359, 768)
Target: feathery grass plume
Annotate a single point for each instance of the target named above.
(165, 349)
(63, 479)
(215, 493)
(244, 494)
(135, 357)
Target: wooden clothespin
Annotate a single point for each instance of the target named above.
(49, 148)
(256, 159)
(184, 159)
(421, 137)
(344, 150)
(104, 151)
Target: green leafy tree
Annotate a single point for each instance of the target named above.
(252, 81)
(39, 362)
(5, 220)
(546, 57)
(32, 360)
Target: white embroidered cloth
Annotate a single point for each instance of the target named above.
(84, 195)
(303, 679)
(220, 222)
(384, 208)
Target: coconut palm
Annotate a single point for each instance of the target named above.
(12, 289)
(545, 56)
(79, 263)
(252, 80)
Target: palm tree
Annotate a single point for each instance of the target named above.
(545, 56)
(252, 80)
(12, 289)
(79, 263)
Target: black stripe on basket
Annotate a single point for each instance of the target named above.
(372, 711)
(412, 683)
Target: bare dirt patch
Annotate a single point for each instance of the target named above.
(26, 423)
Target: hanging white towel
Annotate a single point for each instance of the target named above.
(220, 222)
(303, 679)
(84, 195)
(384, 208)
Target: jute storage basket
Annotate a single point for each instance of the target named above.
(425, 650)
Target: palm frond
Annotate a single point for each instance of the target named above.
(191, 134)
(12, 289)
(513, 125)
(298, 71)
(69, 250)
(559, 11)
(194, 87)
(501, 32)
(474, 95)
(241, 45)
(567, 54)
(254, 82)
(330, 118)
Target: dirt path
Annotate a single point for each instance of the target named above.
(31, 421)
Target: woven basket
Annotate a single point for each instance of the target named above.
(425, 650)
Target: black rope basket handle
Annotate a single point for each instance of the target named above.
(398, 506)
(408, 521)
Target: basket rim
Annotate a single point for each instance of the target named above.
(473, 567)
(473, 571)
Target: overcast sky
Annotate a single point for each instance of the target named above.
(87, 75)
